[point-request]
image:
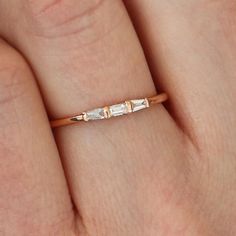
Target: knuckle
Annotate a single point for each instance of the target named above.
(55, 18)
(14, 76)
(10, 59)
(11, 86)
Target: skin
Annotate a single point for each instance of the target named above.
(170, 170)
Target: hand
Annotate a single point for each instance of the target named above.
(167, 171)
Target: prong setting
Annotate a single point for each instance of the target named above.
(147, 102)
(107, 112)
(129, 106)
(85, 116)
(78, 118)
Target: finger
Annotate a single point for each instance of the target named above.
(87, 55)
(193, 59)
(33, 191)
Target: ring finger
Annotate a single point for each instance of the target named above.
(86, 55)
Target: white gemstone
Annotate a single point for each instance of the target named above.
(118, 109)
(139, 104)
(96, 114)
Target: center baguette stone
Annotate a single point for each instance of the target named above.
(118, 109)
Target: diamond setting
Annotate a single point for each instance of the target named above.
(126, 107)
(114, 110)
(139, 104)
(118, 109)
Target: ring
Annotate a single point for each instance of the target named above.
(107, 112)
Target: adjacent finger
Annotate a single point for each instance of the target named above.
(190, 48)
(33, 192)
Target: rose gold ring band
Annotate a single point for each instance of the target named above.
(107, 112)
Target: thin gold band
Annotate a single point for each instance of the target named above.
(107, 112)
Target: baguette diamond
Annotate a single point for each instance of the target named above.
(118, 109)
(139, 104)
(96, 114)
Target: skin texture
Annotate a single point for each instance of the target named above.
(167, 171)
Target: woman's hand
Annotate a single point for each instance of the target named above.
(167, 171)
